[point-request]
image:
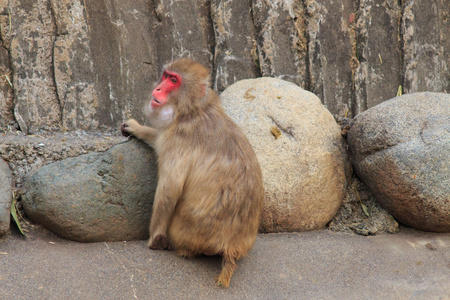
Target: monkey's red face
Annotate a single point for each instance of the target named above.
(169, 83)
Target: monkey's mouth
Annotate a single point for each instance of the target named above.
(155, 102)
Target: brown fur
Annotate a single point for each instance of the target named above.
(210, 191)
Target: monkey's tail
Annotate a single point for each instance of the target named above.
(228, 267)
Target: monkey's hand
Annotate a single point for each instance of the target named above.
(129, 127)
(159, 242)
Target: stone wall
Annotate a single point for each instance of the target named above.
(89, 64)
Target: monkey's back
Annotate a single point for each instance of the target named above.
(222, 197)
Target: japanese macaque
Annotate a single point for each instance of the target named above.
(210, 191)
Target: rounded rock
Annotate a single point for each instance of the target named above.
(97, 196)
(299, 148)
(401, 151)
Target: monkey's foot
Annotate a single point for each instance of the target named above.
(160, 242)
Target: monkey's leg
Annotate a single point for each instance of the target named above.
(144, 133)
(163, 208)
(160, 242)
(228, 267)
(168, 191)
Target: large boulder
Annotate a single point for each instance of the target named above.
(299, 147)
(95, 197)
(401, 151)
(5, 197)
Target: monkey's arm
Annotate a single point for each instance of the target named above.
(144, 133)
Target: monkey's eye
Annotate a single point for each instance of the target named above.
(165, 75)
(173, 79)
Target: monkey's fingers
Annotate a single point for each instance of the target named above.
(160, 242)
(124, 131)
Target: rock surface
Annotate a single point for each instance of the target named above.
(89, 64)
(401, 151)
(26, 153)
(376, 52)
(299, 148)
(95, 197)
(5, 197)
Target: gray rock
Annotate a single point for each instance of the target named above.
(6, 94)
(33, 35)
(425, 46)
(304, 169)
(281, 38)
(75, 84)
(235, 43)
(5, 197)
(95, 197)
(180, 28)
(89, 64)
(401, 151)
(330, 74)
(376, 64)
(103, 61)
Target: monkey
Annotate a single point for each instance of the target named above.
(210, 191)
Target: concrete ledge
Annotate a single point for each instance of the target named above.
(311, 265)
